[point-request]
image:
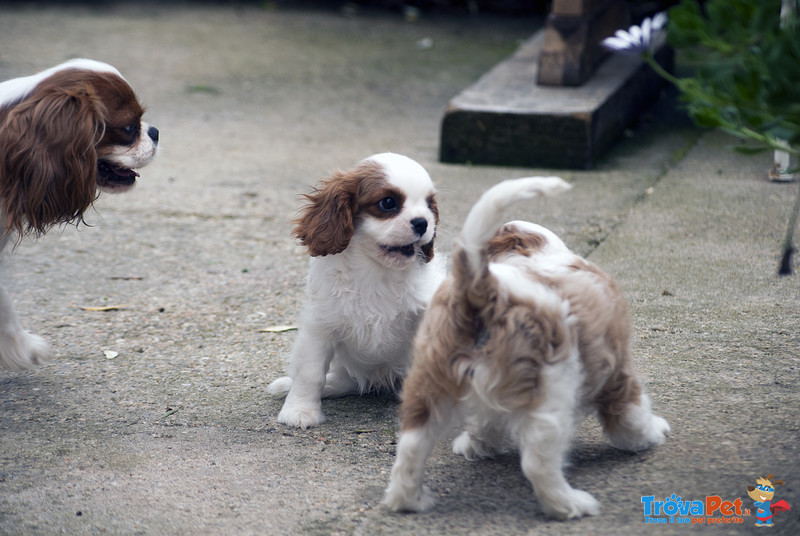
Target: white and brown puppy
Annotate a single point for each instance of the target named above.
(522, 340)
(370, 233)
(64, 133)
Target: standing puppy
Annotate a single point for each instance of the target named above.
(370, 234)
(522, 340)
(64, 133)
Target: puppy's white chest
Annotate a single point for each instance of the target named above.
(374, 321)
(369, 315)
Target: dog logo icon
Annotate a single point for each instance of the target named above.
(762, 494)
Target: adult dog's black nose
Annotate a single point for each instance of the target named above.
(152, 132)
(420, 225)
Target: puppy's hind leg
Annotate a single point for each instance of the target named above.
(544, 437)
(280, 387)
(544, 441)
(636, 427)
(338, 382)
(406, 492)
(19, 350)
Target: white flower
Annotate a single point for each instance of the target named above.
(638, 39)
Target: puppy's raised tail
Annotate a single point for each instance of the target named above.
(486, 217)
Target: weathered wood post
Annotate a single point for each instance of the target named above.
(571, 49)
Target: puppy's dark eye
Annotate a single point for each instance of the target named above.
(131, 129)
(388, 204)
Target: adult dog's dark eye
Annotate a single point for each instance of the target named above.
(130, 129)
(388, 204)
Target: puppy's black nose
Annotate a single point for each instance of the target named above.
(153, 133)
(420, 225)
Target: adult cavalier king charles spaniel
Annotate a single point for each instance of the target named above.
(65, 133)
(521, 341)
(370, 233)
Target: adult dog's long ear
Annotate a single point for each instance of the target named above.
(326, 224)
(48, 161)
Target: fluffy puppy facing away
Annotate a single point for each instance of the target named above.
(522, 340)
(370, 233)
(65, 133)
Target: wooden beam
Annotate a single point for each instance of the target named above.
(506, 119)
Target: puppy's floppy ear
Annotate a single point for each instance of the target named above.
(427, 249)
(48, 161)
(326, 224)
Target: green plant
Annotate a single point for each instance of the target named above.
(746, 82)
(747, 76)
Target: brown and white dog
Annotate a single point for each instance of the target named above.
(522, 340)
(370, 233)
(64, 133)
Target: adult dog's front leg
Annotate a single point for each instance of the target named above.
(311, 357)
(19, 350)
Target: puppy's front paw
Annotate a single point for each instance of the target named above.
(645, 432)
(463, 445)
(301, 416)
(658, 431)
(22, 350)
(400, 499)
(570, 504)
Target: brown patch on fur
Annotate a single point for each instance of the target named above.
(326, 224)
(428, 249)
(122, 109)
(371, 192)
(433, 205)
(510, 240)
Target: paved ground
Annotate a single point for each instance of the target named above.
(176, 434)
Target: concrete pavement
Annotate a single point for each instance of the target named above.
(176, 434)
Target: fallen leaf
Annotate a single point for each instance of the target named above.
(169, 412)
(277, 329)
(102, 307)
